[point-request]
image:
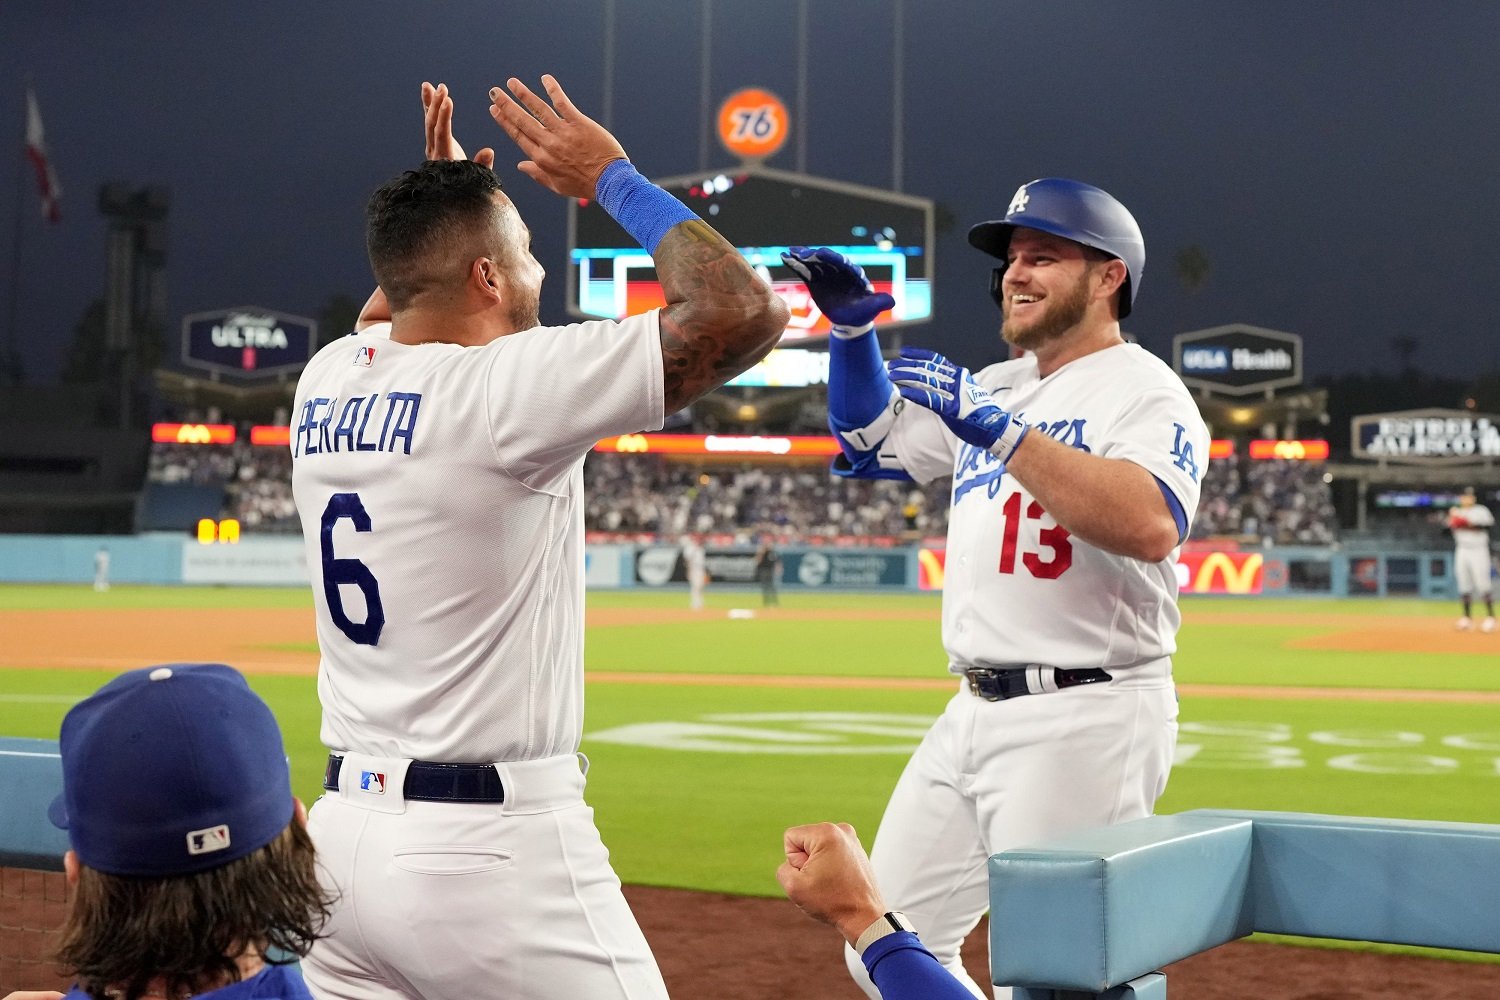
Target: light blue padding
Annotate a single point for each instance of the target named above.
(31, 775)
(1361, 879)
(1095, 909)
(642, 209)
(1091, 911)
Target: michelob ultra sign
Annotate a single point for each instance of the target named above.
(247, 341)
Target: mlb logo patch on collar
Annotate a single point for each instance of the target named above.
(365, 357)
(372, 782)
(214, 838)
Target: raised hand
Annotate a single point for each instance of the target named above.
(437, 116)
(828, 875)
(949, 390)
(566, 150)
(837, 285)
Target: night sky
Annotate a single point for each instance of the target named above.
(1339, 164)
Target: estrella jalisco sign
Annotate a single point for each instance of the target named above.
(1426, 437)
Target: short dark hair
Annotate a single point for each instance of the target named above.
(122, 931)
(443, 205)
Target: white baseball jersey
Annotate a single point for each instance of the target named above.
(1019, 589)
(1471, 548)
(440, 489)
(1474, 534)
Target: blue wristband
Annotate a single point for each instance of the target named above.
(641, 208)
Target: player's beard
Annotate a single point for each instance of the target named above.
(1061, 314)
(526, 315)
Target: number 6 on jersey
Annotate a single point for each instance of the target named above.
(351, 571)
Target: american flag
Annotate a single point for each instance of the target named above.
(36, 151)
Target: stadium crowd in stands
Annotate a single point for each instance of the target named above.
(257, 479)
(641, 494)
(1254, 502)
(1272, 501)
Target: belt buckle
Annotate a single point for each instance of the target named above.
(988, 691)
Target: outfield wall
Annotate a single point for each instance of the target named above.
(1283, 571)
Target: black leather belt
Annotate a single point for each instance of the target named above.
(1012, 682)
(431, 781)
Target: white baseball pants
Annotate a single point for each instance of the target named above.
(992, 775)
(452, 901)
(1472, 568)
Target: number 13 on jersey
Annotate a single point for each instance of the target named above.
(1054, 552)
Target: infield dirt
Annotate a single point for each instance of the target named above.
(745, 948)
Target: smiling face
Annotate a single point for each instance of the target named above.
(1048, 286)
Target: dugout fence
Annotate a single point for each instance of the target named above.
(33, 891)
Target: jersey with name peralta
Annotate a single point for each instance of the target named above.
(440, 491)
(1018, 588)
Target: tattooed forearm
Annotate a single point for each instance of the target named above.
(720, 318)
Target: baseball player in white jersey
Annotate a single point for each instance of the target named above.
(437, 467)
(1470, 523)
(695, 565)
(1075, 473)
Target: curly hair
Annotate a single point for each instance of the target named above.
(123, 932)
(424, 228)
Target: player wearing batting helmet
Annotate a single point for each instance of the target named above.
(1074, 474)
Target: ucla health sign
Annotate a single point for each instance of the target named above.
(249, 341)
(1237, 359)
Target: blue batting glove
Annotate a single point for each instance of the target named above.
(931, 380)
(838, 286)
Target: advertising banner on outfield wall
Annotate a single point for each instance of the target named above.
(272, 562)
(661, 565)
(605, 565)
(1211, 572)
(1426, 437)
(832, 568)
(1220, 572)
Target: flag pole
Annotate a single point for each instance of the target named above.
(12, 360)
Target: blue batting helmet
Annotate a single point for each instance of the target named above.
(1075, 211)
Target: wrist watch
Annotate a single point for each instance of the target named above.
(888, 923)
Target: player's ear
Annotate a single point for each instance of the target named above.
(1110, 276)
(484, 274)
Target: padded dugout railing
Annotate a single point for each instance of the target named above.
(1095, 915)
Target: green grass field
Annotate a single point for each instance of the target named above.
(693, 783)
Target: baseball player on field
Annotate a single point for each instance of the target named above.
(1075, 472)
(1470, 523)
(437, 465)
(695, 564)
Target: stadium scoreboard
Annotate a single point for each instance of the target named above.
(762, 212)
